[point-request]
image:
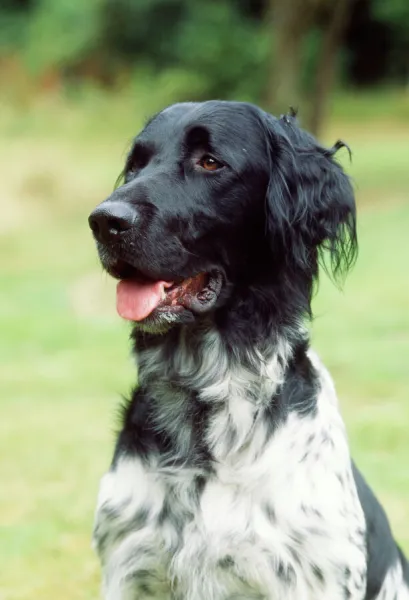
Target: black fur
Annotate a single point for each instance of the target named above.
(279, 205)
(382, 549)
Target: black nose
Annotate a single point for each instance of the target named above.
(110, 219)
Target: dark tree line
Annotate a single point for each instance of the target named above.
(276, 52)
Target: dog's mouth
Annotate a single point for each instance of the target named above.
(139, 297)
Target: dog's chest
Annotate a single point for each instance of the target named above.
(275, 515)
(219, 539)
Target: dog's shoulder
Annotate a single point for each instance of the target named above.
(387, 566)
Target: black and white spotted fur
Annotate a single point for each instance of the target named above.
(231, 477)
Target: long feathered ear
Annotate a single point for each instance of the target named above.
(310, 200)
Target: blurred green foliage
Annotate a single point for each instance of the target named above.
(61, 33)
(395, 13)
(218, 48)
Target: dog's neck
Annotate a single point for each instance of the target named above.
(194, 380)
(198, 358)
(255, 333)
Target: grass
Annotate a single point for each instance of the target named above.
(64, 353)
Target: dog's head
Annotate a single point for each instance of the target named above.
(222, 202)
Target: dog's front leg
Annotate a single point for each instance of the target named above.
(126, 533)
(135, 570)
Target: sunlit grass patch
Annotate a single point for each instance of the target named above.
(64, 353)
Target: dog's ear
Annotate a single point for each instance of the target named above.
(310, 200)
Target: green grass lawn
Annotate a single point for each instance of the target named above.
(64, 352)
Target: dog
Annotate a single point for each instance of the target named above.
(231, 477)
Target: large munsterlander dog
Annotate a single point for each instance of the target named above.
(231, 477)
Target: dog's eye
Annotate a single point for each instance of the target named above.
(209, 163)
(138, 159)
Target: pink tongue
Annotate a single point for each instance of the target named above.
(136, 300)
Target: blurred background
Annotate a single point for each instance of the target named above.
(77, 80)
